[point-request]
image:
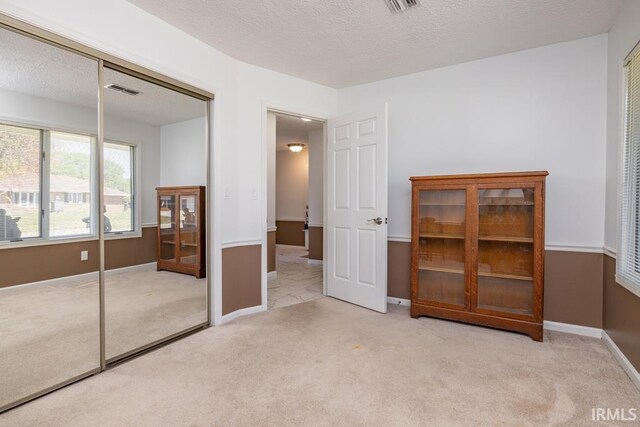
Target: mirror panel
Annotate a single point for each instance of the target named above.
(49, 260)
(154, 138)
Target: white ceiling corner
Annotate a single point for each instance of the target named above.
(341, 43)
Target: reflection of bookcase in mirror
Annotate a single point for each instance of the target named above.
(478, 249)
(182, 230)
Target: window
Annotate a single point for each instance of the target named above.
(628, 264)
(118, 187)
(48, 187)
(20, 176)
(71, 175)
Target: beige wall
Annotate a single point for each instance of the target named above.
(292, 184)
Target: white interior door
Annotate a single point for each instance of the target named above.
(356, 222)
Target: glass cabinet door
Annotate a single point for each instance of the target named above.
(441, 251)
(505, 251)
(168, 230)
(188, 229)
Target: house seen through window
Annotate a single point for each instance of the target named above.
(48, 185)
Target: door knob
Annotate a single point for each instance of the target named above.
(376, 220)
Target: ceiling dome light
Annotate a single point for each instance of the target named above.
(296, 148)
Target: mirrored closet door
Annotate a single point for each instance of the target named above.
(154, 160)
(49, 259)
(103, 189)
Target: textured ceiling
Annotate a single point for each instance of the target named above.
(35, 68)
(290, 129)
(341, 43)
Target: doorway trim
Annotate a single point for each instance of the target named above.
(296, 111)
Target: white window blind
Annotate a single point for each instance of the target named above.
(628, 263)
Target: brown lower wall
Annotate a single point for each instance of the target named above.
(573, 288)
(621, 315)
(399, 270)
(316, 242)
(241, 277)
(36, 263)
(290, 233)
(271, 251)
(573, 284)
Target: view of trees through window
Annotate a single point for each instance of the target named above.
(19, 182)
(71, 183)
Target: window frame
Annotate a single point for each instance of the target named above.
(44, 237)
(628, 234)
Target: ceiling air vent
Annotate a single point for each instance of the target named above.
(122, 89)
(397, 6)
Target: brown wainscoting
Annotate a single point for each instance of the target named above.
(36, 263)
(271, 251)
(399, 270)
(573, 288)
(316, 242)
(119, 253)
(290, 233)
(621, 314)
(241, 277)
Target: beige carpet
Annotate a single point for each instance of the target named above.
(330, 363)
(49, 333)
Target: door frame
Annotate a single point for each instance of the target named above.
(264, 207)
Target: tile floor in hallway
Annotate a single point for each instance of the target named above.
(297, 281)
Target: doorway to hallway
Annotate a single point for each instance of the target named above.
(295, 163)
(296, 281)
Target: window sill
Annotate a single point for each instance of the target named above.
(634, 289)
(61, 241)
(41, 242)
(124, 235)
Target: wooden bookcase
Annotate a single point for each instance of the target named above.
(182, 230)
(477, 245)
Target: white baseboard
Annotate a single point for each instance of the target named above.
(398, 301)
(242, 312)
(631, 371)
(568, 328)
(131, 268)
(272, 274)
(315, 262)
(84, 276)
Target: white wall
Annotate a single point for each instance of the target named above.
(271, 170)
(292, 185)
(183, 159)
(316, 177)
(38, 111)
(539, 109)
(623, 36)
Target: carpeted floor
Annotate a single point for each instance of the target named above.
(50, 332)
(330, 363)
